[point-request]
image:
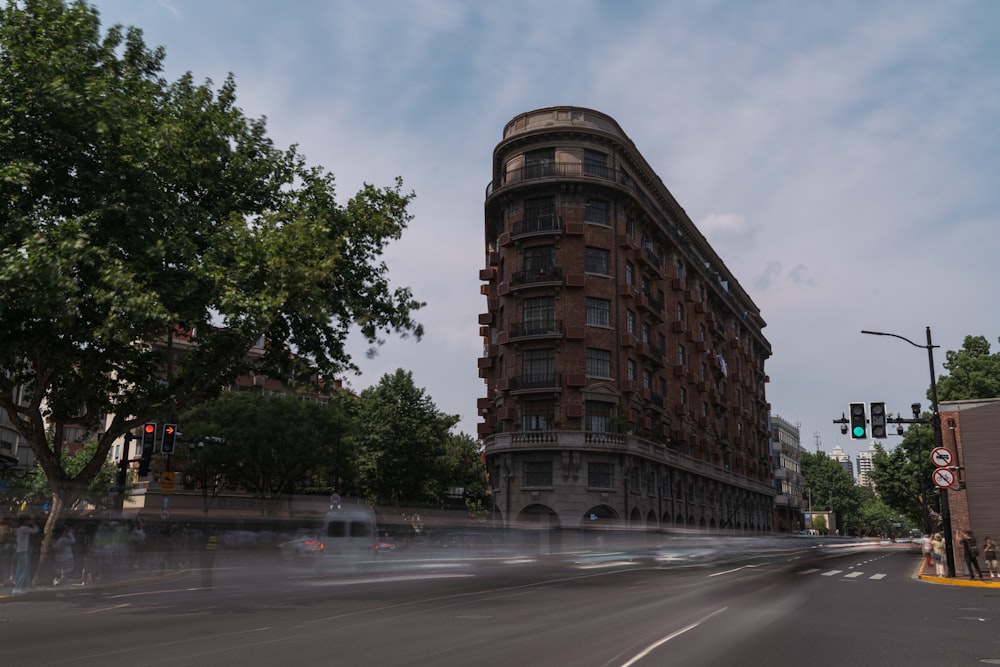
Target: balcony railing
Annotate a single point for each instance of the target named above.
(535, 381)
(627, 443)
(543, 275)
(535, 329)
(536, 224)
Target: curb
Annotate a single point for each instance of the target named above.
(956, 580)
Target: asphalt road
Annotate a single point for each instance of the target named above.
(849, 607)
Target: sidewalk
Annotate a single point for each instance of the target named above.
(957, 580)
(64, 591)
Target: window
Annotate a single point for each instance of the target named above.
(600, 475)
(704, 371)
(684, 396)
(537, 415)
(645, 332)
(647, 379)
(598, 312)
(629, 273)
(633, 480)
(595, 163)
(598, 363)
(680, 312)
(630, 369)
(630, 322)
(540, 163)
(701, 331)
(597, 261)
(596, 212)
(539, 366)
(538, 473)
(539, 214)
(598, 416)
(539, 315)
(681, 355)
(538, 259)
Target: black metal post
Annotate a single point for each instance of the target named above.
(938, 442)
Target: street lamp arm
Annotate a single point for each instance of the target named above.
(880, 333)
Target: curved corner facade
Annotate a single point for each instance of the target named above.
(623, 363)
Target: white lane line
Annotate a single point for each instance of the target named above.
(830, 573)
(649, 649)
(877, 576)
(853, 575)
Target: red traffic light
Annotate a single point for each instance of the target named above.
(149, 428)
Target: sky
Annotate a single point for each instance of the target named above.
(843, 159)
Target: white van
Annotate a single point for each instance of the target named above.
(349, 532)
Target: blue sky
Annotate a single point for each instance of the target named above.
(842, 158)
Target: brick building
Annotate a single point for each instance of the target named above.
(623, 362)
(971, 430)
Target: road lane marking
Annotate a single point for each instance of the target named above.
(812, 570)
(854, 575)
(660, 642)
(830, 573)
(877, 576)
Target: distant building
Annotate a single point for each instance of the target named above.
(844, 459)
(786, 453)
(623, 362)
(865, 466)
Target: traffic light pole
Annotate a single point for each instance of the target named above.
(938, 442)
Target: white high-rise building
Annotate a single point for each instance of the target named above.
(844, 459)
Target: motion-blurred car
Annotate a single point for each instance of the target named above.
(304, 544)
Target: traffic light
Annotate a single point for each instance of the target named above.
(878, 420)
(169, 436)
(148, 444)
(859, 427)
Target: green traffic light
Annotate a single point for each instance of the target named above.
(859, 432)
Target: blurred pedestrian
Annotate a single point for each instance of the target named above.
(925, 549)
(990, 557)
(937, 553)
(208, 559)
(65, 561)
(971, 552)
(26, 529)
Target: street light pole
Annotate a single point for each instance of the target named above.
(938, 442)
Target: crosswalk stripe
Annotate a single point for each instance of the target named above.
(853, 575)
(810, 571)
(831, 573)
(877, 576)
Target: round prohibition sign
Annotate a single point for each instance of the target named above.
(941, 457)
(943, 478)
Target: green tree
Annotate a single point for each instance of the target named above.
(973, 372)
(402, 443)
(137, 215)
(272, 446)
(902, 476)
(829, 486)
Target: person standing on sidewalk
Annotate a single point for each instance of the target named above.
(26, 529)
(937, 553)
(990, 556)
(971, 552)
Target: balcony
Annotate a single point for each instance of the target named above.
(536, 225)
(536, 382)
(535, 330)
(499, 443)
(551, 275)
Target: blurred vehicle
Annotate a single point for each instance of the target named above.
(349, 531)
(305, 543)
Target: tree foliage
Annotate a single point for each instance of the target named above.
(972, 372)
(270, 446)
(828, 486)
(405, 450)
(136, 211)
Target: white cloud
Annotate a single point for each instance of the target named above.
(841, 158)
